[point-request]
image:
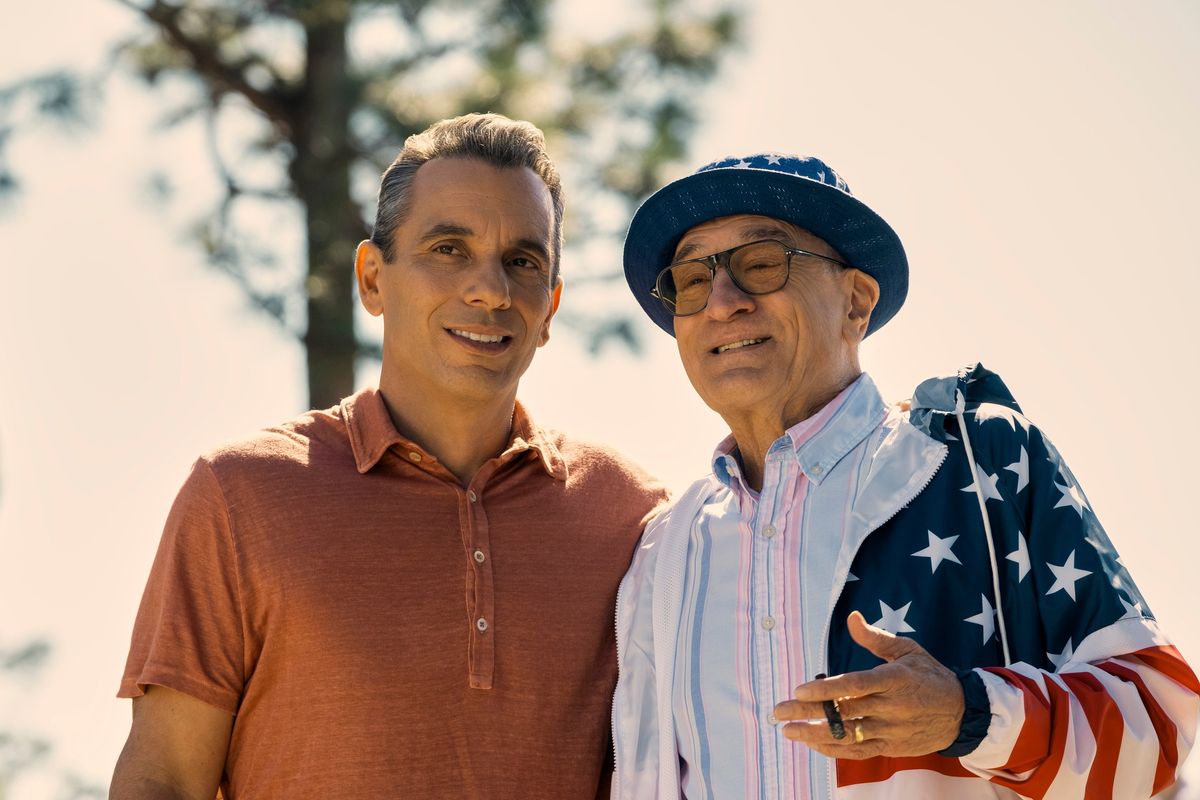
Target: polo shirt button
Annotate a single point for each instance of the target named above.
(414, 456)
(768, 531)
(481, 624)
(471, 495)
(479, 557)
(768, 623)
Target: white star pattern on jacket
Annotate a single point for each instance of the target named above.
(892, 620)
(985, 619)
(1066, 576)
(939, 550)
(1021, 468)
(987, 483)
(1021, 557)
(1071, 496)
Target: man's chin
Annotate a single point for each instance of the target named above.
(734, 392)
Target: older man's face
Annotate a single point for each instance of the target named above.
(766, 354)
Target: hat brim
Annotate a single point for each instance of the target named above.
(860, 235)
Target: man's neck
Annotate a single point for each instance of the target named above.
(755, 431)
(461, 434)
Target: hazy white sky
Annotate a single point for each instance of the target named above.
(1037, 159)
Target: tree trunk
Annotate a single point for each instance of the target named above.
(320, 169)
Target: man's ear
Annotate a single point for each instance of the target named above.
(368, 262)
(862, 297)
(555, 297)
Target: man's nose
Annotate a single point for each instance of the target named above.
(488, 284)
(727, 299)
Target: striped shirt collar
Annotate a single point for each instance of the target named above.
(820, 441)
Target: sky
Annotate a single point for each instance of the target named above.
(1037, 159)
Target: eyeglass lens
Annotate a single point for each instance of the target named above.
(756, 268)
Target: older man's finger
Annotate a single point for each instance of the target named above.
(796, 710)
(850, 684)
(874, 705)
(874, 735)
(853, 752)
(850, 707)
(879, 642)
(812, 733)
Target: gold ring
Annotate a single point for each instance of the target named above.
(858, 734)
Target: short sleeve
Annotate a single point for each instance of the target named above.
(188, 635)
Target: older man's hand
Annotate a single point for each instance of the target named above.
(910, 706)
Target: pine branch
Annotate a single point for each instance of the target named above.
(207, 61)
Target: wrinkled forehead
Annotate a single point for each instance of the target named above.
(722, 233)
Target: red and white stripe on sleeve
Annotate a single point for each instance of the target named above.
(1114, 721)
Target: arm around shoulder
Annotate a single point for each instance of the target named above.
(176, 749)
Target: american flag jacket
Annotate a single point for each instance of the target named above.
(1088, 697)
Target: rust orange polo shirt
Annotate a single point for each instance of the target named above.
(379, 629)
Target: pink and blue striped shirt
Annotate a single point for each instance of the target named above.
(745, 641)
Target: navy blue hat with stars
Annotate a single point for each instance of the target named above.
(803, 191)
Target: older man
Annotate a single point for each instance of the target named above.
(1008, 652)
(409, 594)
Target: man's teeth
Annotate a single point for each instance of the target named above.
(477, 337)
(735, 345)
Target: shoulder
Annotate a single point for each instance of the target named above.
(315, 438)
(980, 397)
(590, 461)
(671, 526)
(676, 518)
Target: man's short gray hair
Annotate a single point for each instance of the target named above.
(491, 138)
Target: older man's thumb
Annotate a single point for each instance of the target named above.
(879, 642)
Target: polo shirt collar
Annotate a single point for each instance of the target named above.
(527, 435)
(372, 433)
(822, 440)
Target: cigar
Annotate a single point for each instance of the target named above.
(836, 726)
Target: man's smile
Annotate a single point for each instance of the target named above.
(486, 341)
(478, 337)
(739, 344)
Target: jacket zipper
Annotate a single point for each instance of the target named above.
(824, 651)
(616, 789)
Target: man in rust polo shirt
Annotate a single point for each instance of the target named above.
(409, 594)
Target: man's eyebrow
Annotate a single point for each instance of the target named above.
(446, 229)
(538, 248)
(768, 232)
(451, 229)
(750, 235)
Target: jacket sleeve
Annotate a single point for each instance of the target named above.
(635, 702)
(1097, 702)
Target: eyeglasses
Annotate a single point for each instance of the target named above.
(756, 268)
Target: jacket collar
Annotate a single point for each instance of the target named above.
(372, 433)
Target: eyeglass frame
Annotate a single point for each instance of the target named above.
(715, 261)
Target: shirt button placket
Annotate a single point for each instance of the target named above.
(482, 611)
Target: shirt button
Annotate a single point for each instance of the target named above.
(768, 623)
(471, 495)
(818, 469)
(768, 531)
(479, 557)
(771, 718)
(414, 456)
(481, 624)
